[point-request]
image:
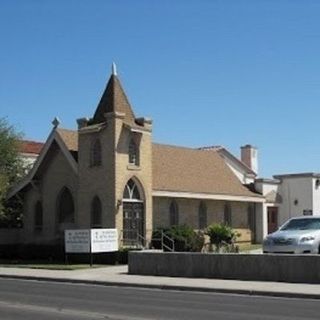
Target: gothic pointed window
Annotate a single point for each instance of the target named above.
(202, 215)
(133, 153)
(227, 214)
(174, 213)
(131, 191)
(38, 216)
(96, 213)
(95, 153)
(65, 206)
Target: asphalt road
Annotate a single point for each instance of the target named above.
(35, 300)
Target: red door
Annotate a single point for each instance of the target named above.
(272, 219)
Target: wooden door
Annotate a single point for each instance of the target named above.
(133, 223)
(272, 219)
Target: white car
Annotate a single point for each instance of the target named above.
(298, 235)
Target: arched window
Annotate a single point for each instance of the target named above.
(65, 206)
(131, 191)
(251, 217)
(38, 216)
(95, 153)
(96, 213)
(133, 153)
(202, 215)
(174, 213)
(227, 214)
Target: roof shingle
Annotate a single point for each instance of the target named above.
(28, 146)
(69, 137)
(182, 169)
(113, 99)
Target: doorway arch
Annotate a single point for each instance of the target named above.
(133, 213)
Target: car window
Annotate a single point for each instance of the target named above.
(302, 224)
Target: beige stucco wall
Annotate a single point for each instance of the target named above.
(141, 174)
(97, 180)
(189, 208)
(108, 180)
(56, 175)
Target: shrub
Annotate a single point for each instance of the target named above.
(222, 235)
(184, 237)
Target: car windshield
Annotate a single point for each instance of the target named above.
(302, 224)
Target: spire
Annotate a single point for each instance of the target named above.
(113, 99)
(114, 69)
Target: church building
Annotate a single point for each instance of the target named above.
(108, 173)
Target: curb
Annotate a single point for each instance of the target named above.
(170, 287)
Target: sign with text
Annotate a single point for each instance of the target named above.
(91, 240)
(77, 241)
(104, 240)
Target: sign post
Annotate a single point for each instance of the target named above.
(91, 241)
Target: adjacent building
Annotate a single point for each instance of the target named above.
(287, 196)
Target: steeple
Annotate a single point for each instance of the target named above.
(113, 99)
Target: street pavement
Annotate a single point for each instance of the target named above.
(118, 276)
(38, 300)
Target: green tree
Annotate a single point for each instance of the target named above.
(221, 235)
(11, 170)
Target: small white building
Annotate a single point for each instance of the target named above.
(29, 152)
(287, 196)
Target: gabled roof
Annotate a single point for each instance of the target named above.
(59, 136)
(113, 99)
(226, 153)
(180, 169)
(70, 138)
(174, 169)
(28, 146)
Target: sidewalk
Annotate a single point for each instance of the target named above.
(118, 276)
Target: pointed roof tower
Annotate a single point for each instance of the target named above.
(113, 99)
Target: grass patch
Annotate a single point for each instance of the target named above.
(246, 247)
(47, 265)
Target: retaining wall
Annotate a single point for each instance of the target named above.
(259, 267)
(10, 236)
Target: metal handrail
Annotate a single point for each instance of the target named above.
(137, 240)
(163, 245)
(142, 238)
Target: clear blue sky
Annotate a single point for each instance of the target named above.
(207, 72)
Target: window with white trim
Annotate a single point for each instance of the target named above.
(133, 153)
(131, 191)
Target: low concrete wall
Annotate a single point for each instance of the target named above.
(286, 268)
(10, 236)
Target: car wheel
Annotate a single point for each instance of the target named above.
(319, 250)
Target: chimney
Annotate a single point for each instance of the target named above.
(249, 156)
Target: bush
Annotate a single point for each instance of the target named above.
(222, 235)
(184, 237)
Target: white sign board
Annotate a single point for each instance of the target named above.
(91, 240)
(104, 240)
(77, 241)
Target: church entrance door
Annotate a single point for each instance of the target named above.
(133, 223)
(133, 216)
